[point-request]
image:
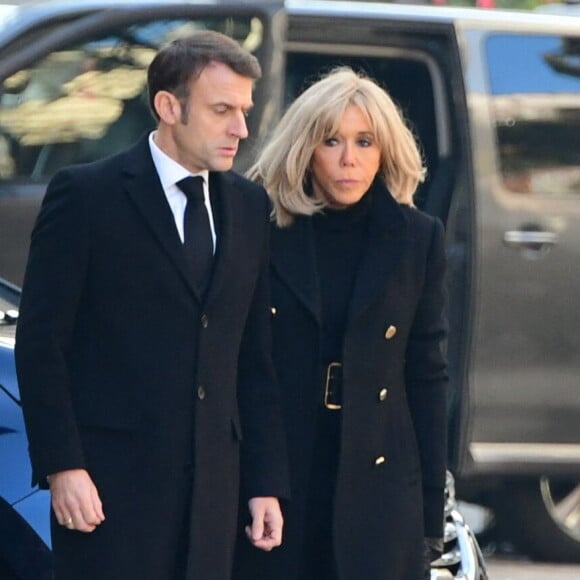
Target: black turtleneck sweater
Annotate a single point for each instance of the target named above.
(339, 237)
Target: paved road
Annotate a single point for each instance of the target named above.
(503, 560)
(509, 569)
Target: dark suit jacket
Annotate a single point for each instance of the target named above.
(391, 473)
(125, 372)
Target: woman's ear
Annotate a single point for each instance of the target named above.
(167, 107)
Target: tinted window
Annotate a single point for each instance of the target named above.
(535, 83)
(84, 102)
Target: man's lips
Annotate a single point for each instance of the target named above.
(228, 150)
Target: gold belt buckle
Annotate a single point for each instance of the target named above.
(331, 375)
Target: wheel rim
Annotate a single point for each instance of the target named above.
(562, 501)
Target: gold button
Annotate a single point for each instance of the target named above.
(273, 310)
(391, 331)
(383, 394)
(380, 460)
(200, 393)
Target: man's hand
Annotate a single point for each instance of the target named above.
(75, 500)
(266, 529)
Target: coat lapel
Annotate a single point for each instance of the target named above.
(293, 258)
(387, 241)
(144, 189)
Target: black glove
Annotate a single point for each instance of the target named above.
(432, 550)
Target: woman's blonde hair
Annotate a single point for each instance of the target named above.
(283, 165)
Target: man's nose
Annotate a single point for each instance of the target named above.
(239, 127)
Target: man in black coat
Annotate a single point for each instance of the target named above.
(149, 395)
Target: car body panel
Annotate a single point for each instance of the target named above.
(24, 522)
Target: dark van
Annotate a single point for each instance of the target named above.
(494, 98)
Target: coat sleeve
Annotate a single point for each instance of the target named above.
(264, 467)
(426, 380)
(52, 287)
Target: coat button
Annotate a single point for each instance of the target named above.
(274, 310)
(383, 394)
(201, 392)
(380, 460)
(204, 320)
(390, 332)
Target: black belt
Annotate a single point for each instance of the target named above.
(333, 387)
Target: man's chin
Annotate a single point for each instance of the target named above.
(223, 164)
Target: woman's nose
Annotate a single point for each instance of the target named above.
(348, 154)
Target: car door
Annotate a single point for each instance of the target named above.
(523, 421)
(524, 101)
(73, 89)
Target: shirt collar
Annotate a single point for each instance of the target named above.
(169, 171)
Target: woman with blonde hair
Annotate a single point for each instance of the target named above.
(358, 326)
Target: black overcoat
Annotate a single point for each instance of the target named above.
(124, 371)
(391, 472)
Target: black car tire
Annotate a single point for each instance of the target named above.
(533, 515)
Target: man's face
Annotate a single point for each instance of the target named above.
(210, 127)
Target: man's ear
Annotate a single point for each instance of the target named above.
(167, 107)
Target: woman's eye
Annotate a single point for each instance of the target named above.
(331, 141)
(365, 142)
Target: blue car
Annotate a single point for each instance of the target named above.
(24, 522)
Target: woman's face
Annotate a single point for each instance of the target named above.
(345, 164)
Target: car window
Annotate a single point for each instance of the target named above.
(535, 87)
(83, 102)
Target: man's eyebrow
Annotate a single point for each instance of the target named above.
(231, 106)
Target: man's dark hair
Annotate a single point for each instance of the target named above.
(183, 60)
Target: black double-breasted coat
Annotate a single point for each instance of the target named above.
(126, 372)
(391, 463)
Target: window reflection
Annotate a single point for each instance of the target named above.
(85, 102)
(535, 86)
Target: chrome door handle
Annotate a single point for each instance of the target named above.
(529, 239)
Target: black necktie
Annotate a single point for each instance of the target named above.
(197, 239)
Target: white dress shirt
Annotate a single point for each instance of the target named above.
(170, 172)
